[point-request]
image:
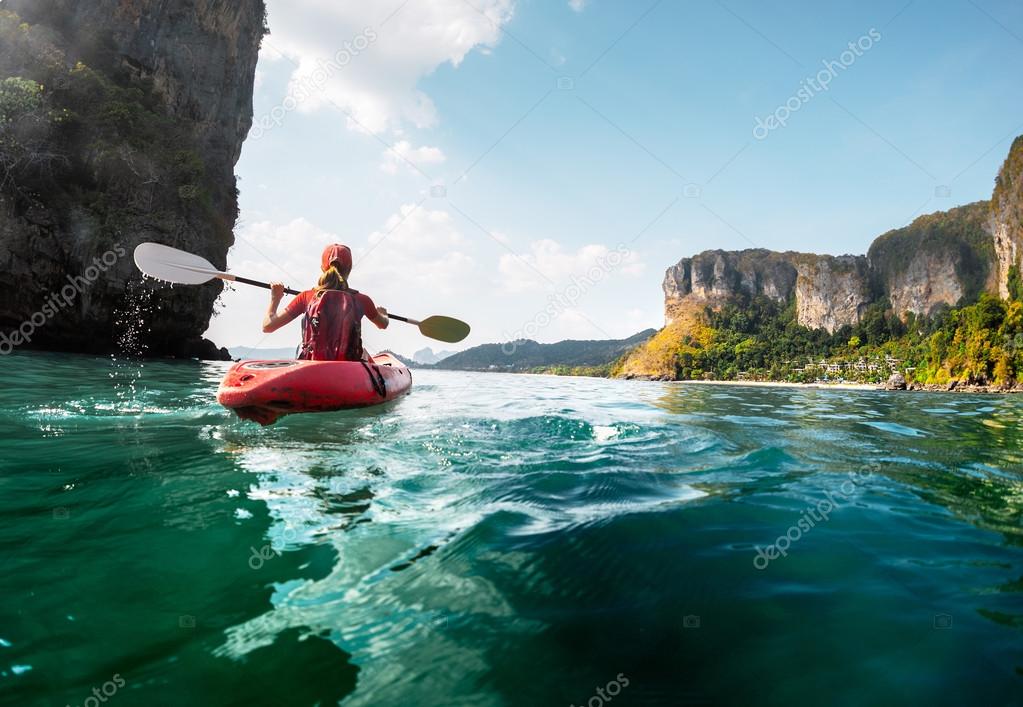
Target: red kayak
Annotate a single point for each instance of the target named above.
(265, 390)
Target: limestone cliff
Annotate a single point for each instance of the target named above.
(945, 259)
(829, 291)
(715, 276)
(832, 292)
(1007, 217)
(939, 259)
(120, 122)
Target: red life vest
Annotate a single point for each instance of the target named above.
(332, 328)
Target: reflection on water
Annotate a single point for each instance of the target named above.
(490, 528)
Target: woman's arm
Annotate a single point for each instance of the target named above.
(274, 321)
(377, 315)
(380, 318)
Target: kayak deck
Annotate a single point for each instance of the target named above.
(263, 391)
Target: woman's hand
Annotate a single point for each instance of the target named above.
(382, 311)
(276, 293)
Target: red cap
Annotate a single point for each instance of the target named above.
(339, 255)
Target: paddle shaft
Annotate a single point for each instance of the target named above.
(176, 266)
(257, 283)
(288, 290)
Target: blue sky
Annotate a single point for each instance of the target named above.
(548, 136)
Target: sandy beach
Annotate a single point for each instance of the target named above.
(787, 384)
(928, 388)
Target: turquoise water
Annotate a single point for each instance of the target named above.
(505, 540)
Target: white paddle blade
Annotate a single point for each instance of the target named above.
(172, 265)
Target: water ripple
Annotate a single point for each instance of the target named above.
(437, 550)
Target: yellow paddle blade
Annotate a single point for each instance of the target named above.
(444, 329)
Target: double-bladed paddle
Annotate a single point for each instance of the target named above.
(172, 265)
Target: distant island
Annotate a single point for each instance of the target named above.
(428, 356)
(247, 352)
(571, 357)
(938, 303)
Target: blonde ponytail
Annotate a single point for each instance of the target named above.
(331, 279)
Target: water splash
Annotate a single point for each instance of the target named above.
(131, 319)
(131, 327)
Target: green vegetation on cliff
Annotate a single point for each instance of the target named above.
(26, 122)
(959, 234)
(1007, 187)
(982, 343)
(757, 339)
(1015, 283)
(89, 134)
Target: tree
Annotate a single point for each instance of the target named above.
(1003, 370)
(1015, 284)
(26, 122)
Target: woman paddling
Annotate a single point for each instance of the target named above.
(332, 327)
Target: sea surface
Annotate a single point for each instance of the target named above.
(494, 539)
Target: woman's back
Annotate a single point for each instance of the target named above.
(332, 328)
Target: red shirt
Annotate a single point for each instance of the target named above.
(296, 307)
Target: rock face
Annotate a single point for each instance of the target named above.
(938, 260)
(832, 292)
(1008, 248)
(145, 105)
(927, 283)
(829, 291)
(716, 276)
(1007, 217)
(896, 381)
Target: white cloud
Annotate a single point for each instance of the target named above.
(384, 55)
(548, 262)
(418, 249)
(578, 5)
(289, 252)
(402, 153)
